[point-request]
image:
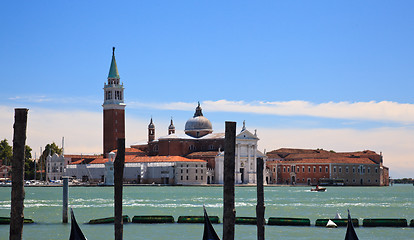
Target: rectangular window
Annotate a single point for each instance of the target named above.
(326, 169)
(201, 170)
(309, 169)
(196, 170)
(346, 170)
(288, 168)
(201, 177)
(334, 169)
(303, 169)
(340, 169)
(320, 169)
(196, 177)
(376, 170)
(353, 169)
(369, 170)
(314, 169)
(187, 177)
(284, 169)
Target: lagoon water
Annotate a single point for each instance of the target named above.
(44, 206)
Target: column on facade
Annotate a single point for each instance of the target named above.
(238, 164)
(249, 163)
(255, 163)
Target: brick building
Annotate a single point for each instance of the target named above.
(312, 167)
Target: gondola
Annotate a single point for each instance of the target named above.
(209, 232)
(350, 231)
(75, 231)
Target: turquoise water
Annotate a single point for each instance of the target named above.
(44, 206)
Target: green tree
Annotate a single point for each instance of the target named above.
(6, 152)
(28, 164)
(50, 149)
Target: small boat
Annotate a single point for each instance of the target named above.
(350, 231)
(338, 216)
(75, 231)
(331, 224)
(209, 232)
(318, 189)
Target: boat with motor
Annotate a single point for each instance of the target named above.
(318, 189)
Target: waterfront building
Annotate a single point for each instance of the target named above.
(246, 159)
(5, 172)
(113, 109)
(173, 170)
(200, 142)
(312, 167)
(55, 166)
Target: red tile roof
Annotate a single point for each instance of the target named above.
(203, 154)
(141, 159)
(329, 160)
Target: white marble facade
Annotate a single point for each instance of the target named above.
(246, 156)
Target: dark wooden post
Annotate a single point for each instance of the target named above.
(17, 192)
(118, 180)
(65, 199)
(229, 211)
(260, 208)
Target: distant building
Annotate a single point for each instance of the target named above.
(113, 109)
(5, 171)
(312, 167)
(173, 170)
(246, 159)
(55, 167)
(199, 142)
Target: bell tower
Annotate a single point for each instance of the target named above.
(151, 131)
(171, 128)
(113, 109)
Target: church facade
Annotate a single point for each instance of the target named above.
(200, 142)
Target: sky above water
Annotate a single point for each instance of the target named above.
(336, 75)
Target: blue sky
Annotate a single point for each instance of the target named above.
(322, 74)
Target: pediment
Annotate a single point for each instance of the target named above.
(246, 135)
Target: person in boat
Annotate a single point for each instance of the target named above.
(317, 187)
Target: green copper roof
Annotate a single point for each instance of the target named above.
(113, 71)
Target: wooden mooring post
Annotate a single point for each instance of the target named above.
(17, 192)
(118, 182)
(260, 207)
(229, 211)
(65, 199)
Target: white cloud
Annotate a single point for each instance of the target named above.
(385, 111)
(82, 130)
